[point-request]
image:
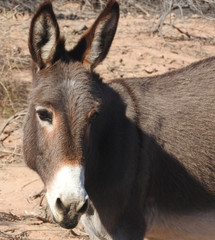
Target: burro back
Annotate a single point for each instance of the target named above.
(133, 158)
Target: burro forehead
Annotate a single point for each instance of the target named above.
(66, 85)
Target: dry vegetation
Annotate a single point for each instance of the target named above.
(160, 16)
(13, 93)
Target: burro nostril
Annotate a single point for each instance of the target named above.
(80, 207)
(83, 208)
(60, 205)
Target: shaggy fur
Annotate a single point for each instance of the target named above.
(147, 145)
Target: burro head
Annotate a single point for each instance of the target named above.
(65, 99)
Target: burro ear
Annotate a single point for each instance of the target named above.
(95, 43)
(44, 36)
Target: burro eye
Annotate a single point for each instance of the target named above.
(44, 115)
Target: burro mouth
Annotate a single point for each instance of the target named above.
(68, 222)
(67, 197)
(70, 219)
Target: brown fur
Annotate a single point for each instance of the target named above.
(147, 144)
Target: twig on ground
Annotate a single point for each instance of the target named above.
(22, 236)
(167, 10)
(10, 217)
(19, 114)
(35, 180)
(41, 195)
(182, 32)
(11, 153)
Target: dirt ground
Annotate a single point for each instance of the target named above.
(135, 53)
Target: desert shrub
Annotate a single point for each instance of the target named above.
(13, 93)
(13, 96)
(201, 7)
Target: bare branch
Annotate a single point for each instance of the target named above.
(19, 114)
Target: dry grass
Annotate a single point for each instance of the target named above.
(19, 5)
(13, 93)
(9, 218)
(7, 236)
(202, 7)
(13, 96)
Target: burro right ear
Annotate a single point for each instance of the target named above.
(44, 36)
(95, 43)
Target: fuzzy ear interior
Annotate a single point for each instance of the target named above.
(44, 36)
(95, 43)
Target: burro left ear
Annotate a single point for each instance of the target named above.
(44, 36)
(95, 43)
(46, 46)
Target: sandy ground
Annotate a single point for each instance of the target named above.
(134, 53)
